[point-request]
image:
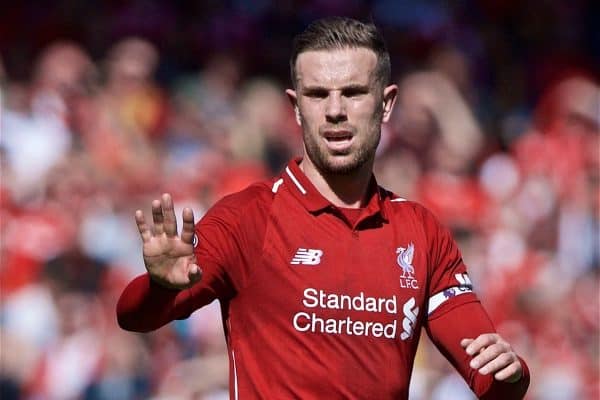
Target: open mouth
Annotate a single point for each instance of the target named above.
(336, 137)
(338, 142)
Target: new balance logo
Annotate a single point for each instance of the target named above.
(307, 256)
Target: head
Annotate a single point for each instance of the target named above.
(340, 71)
(64, 68)
(131, 62)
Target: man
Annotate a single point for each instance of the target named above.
(324, 278)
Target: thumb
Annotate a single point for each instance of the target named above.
(194, 273)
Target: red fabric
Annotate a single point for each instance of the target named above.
(18, 270)
(31, 238)
(145, 306)
(281, 259)
(351, 214)
(468, 319)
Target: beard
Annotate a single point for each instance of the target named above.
(341, 163)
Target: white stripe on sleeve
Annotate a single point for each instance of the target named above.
(440, 298)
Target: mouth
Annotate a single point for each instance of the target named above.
(339, 141)
(338, 136)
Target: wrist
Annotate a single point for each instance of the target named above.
(515, 378)
(161, 283)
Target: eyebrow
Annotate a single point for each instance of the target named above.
(352, 86)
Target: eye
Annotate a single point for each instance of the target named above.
(354, 92)
(316, 94)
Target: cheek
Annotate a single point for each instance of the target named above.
(364, 112)
(311, 115)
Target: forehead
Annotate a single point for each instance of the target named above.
(336, 67)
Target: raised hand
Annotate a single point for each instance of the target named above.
(493, 355)
(169, 258)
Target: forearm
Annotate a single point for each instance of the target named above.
(145, 305)
(469, 320)
(498, 390)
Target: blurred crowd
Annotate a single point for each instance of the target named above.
(513, 168)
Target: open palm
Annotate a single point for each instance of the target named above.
(169, 258)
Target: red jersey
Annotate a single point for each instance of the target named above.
(318, 306)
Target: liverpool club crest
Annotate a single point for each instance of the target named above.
(404, 260)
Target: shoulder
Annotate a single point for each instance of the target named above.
(254, 200)
(412, 215)
(403, 208)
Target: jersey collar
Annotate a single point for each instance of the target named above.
(306, 193)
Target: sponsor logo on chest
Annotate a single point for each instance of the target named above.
(378, 317)
(368, 310)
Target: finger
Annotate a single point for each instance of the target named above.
(194, 274)
(465, 342)
(512, 373)
(481, 342)
(187, 231)
(168, 210)
(489, 358)
(498, 363)
(157, 217)
(143, 227)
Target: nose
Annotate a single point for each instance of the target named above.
(335, 108)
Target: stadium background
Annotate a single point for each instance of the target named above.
(106, 105)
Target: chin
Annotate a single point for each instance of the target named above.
(342, 167)
(342, 162)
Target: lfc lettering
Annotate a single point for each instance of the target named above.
(409, 283)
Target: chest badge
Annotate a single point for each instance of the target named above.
(307, 257)
(404, 260)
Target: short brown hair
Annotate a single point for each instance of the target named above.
(339, 33)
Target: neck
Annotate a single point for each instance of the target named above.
(348, 190)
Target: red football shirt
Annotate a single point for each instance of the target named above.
(316, 306)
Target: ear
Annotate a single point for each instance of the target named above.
(389, 99)
(293, 98)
